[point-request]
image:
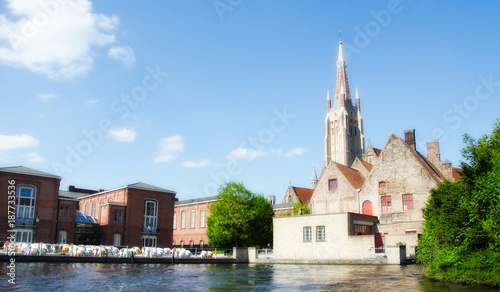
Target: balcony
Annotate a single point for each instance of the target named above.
(150, 229)
(25, 221)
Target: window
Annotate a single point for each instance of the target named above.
(202, 218)
(86, 209)
(149, 241)
(407, 202)
(63, 236)
(150, 214)
(183, 219)
(201, 243)
(175, 220)
(64, 211)
(411, 231)
(320, 233)
(117, 239)
(191, 244)
(307, 234)
(332, 185)
(191, 221)
(382, 185)
(24, 235)
(93, 209)
(118, 216)
(360, 229)
(385, 202)
(25, 205)
(367, 208)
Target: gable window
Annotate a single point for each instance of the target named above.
(385, 202)
(202, 218)
(332, 184)
(191, 221)
(25, 205)
(408, 202)
(307, 234)
(320, 233)
(150, 215)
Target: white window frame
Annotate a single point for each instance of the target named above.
(117, 239)
(191, 221)
(149, 240)
(86, 208)
(93, 210)
(202, 218)
(320, 233)
(175, 220)
(24, 235)
(150, 218)
(307, 233)
(23, 210)
(63, 236)
(183, 220)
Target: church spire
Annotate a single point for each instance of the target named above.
(342, 92)
(358, 103)
(314, 179)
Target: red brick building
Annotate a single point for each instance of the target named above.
(135, 215)
(36, 204)
(190, 222)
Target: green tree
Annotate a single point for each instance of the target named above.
(461, 238)
(239, 218)
(300, 209)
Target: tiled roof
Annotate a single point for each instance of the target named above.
(377, 151)
(28, 171)
(303, 194)
(144, 186)
(367, 165)
(457, 173)
(353, 176)
(196, 201)
(283, 206)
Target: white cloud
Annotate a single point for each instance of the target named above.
(47, 96)
(245, 153)
(53, 38)
(34, 157)
(122, 134)
(193, 164)
(168, 148)
(17, 141)
(91, 102)
(123, 54)
(296, 151)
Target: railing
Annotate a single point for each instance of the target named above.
(150, 229)
(265, 253)
(25, 221)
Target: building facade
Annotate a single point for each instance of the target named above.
(190, 222)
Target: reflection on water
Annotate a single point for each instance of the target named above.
(254, 277)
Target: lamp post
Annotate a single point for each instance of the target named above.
(36, 227)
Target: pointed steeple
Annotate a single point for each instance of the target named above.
(328, 101)
(358, 103)
(342, 92)
(314, 179)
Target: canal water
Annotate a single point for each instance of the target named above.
(216, 277)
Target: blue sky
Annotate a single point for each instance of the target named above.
(187, 94)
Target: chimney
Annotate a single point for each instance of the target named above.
(410, 138)
(433, 152)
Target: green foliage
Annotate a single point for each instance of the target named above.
(461, 238)
(239, 218)
(298, 206)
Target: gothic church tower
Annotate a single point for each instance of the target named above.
(344, 139)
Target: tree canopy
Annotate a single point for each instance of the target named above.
(461, 238)
(239, 218)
